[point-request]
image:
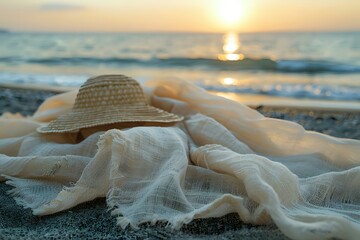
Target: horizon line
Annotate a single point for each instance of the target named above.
(180, 32)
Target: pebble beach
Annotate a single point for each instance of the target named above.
(91, 220)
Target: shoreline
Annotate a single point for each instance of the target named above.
(251, 100)
(37, 87)
(255, 101)
(338, 122)
(91, 220)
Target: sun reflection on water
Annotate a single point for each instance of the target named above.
(228, 81)
(231, 45)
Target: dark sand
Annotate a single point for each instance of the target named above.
(92, 220)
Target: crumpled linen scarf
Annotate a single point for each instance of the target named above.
(223, 158)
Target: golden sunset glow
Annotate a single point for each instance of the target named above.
(179, 16)
(230, 11)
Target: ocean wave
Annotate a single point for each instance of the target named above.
(293, 90)
(253, 64)
(312, 66)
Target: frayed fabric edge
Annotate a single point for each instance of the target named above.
(173, 223)
(19, 194)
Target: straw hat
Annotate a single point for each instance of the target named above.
(106, 100)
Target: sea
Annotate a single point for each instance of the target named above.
(302, 65)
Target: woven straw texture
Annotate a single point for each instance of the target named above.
(109, 99)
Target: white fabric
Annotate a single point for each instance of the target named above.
(223, 158)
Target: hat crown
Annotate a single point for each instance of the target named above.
(109, 90)
(108, 99)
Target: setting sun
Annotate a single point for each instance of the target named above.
(230, 11)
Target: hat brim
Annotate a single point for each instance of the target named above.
(90, 117)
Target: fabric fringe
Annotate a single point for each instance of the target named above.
(31, 193)
(175, 223)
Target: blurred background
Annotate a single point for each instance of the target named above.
(296, 48)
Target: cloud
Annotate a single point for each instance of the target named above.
(60, 7)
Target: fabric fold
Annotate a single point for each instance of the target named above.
(223, 158)
(267, 136)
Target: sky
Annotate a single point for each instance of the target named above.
(179, 15)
